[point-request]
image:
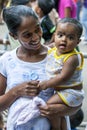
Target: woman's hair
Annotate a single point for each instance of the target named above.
(13, 16)
(19, 2)
(46, 5)
(78, 25)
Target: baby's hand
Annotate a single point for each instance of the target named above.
(42, 85)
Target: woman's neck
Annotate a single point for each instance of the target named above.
(32, 56)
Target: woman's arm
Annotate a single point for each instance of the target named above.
(57, 109)
(24, 89)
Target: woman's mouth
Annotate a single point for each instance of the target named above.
(35, 44)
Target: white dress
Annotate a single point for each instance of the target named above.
(18, 71)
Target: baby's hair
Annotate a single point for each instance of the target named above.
(77, 24)
(14, 14)
(46, 5)
(19, 2)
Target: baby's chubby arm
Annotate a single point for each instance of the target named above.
(66, 73)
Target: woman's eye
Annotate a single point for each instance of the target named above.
(28, 35)
(37, 30)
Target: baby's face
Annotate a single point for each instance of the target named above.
(66, 38)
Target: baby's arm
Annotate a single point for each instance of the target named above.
(66, 73)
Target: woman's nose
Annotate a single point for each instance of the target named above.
(34, 36)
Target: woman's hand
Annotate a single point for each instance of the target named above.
(27, 89)
(50, 110)
(24, 89)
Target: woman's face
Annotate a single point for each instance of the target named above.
(29, 33)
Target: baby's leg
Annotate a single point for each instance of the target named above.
(63, 123)
(55, 123)
(55, 99)
(58, 123)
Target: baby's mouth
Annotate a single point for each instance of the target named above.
(62, 46)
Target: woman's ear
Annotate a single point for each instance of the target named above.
(13, 35)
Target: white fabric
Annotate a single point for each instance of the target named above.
(18, 72)
(72, 98)
(29, 111)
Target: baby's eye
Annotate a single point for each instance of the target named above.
(71, 37)
(59, 35)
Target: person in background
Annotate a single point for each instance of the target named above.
(53, 14)
(22, 68)
(84, 19)
(66, 8)
(2, 5)
(79, 8)
(43, 8)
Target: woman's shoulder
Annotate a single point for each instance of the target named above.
(7, 54)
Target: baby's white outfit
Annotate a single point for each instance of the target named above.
(54, 66)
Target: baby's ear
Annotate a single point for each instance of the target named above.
(79, 40)
(13, 35)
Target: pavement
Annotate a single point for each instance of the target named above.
(83, 49)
